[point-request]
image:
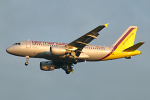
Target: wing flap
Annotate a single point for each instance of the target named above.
(93, 36)
(82, 43)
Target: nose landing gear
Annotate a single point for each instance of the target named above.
(27, 59)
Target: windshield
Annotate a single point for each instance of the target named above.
(16, 44)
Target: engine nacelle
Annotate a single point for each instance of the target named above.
(47, 66)
(58, 50)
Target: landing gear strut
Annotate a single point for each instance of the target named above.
(68, 68)
(27, 59)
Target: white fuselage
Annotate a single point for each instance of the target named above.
(38, 49)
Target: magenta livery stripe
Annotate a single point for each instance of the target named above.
(115, 47)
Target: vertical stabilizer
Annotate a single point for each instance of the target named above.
(127, 38)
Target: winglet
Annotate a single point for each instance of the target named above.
(106, 25)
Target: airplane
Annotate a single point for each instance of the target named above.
(63, 55)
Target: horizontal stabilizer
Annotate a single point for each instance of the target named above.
(134, 47)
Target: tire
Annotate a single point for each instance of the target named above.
(67, 71)
(26, 63)
(75, 61)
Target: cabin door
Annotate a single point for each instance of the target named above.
(28, 44)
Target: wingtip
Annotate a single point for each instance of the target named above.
(106, 25)
(142, 42)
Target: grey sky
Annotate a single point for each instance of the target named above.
(64, 21)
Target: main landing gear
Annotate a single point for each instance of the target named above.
(67, 68)
(27, 59)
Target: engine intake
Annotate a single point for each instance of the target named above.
(57, 50)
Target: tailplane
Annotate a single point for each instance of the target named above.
(127, 38)
(134, 47)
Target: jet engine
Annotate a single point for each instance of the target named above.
(47, 66)
(58, 50)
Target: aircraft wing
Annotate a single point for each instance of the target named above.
(78, 44)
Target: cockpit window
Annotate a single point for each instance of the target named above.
(17, 44)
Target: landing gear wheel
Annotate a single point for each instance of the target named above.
(67, 67)
(26, 63)
(68, 71)
(27, 59)
(75, 61)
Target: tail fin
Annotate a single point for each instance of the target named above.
(127, 38)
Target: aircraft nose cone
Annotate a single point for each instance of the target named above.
(9, 50)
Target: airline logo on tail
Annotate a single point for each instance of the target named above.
(130, 36)
(127, 38)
